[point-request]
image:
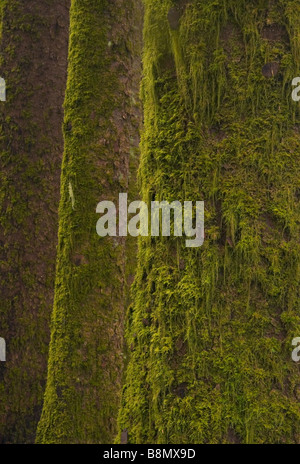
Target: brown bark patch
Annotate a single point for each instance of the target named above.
(232, 437)
(270, 69)
(124, 437)
(181, 390)
(175, 13)
(78, 260)
(174, 16)
(274, 32)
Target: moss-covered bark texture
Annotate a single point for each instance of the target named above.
(211, 328)
(100, 130)
(33, 56)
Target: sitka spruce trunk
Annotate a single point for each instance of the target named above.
(33, 62)
(211, 328)
(100, 130)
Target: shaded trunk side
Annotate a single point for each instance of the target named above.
(33, 57)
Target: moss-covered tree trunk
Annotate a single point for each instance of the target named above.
(101, 133)
(33, 62)
(211, 328)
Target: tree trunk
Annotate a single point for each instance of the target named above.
(34, 37)
(211, 328)
(100, 129)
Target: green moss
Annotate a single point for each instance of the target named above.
(86, 350)
(214, 363)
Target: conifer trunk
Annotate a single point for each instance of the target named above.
(34, 36)
(101, 138)
(211, 329)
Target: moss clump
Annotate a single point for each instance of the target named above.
(214, 364)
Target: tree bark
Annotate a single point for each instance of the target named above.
(101, 136)
(211, 329)
(33, 50)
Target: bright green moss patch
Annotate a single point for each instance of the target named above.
(213, 364)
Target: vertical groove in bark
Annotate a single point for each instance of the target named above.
(33, 51)
(213, 364)
(101, 122)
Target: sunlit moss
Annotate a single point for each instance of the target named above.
(213, 363)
